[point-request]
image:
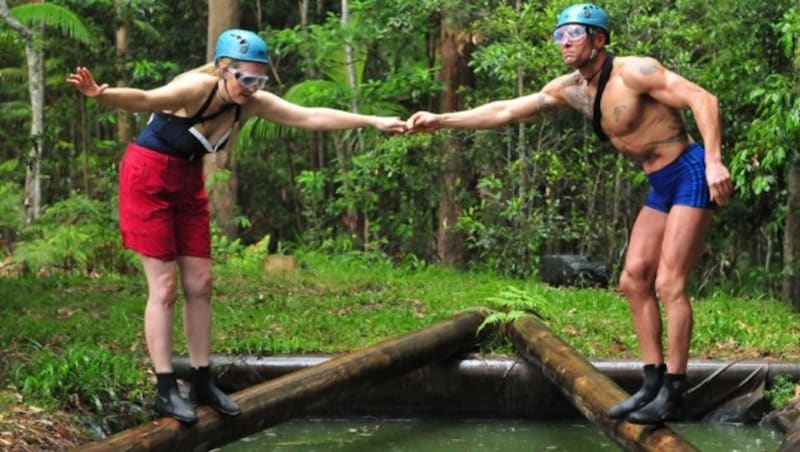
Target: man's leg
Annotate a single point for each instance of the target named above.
(637, 283)
(158, 318)
(196, 280)
(682, 245)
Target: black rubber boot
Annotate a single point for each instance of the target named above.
(653, 379)
(205, 392)
(667, 404)
(169, 401)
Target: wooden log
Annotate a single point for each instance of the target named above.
(590, 391)
(280, 399)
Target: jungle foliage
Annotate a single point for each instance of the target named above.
(544, 187)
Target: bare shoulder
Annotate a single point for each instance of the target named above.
(640, 73)
(191, 85)
(265, 104)
(561, 86)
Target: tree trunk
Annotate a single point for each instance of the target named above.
(124, 118)
(454, 53)
(522, 146)
(222, 15)
(791, 237)
(591, 392)
(35, 61)
(356, 224)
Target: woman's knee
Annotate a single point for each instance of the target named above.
(163, 291)
(198, 286)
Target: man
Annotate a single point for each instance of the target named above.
(640, 113)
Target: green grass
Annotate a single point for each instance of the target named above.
(52, 327)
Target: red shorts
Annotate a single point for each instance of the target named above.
(163, 207)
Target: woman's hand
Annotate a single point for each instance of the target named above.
(390, 124)
(82, 80)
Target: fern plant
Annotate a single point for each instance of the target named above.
(74, 234)
(512, 303)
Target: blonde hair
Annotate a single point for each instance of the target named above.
(212, 67)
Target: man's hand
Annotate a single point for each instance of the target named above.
(423, 121)
(720, 186)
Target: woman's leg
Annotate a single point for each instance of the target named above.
(158, 326)
(196, 280)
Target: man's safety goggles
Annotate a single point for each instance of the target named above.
(250, 81)
(569, 32)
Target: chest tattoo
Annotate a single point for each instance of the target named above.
(581, 100)
(618, 111)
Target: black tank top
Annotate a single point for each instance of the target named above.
(177, 136)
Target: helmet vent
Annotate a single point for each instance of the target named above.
(242, 43)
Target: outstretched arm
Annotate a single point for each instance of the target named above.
(648, 76)
(273, 108)
(173, 96)
(493, 114)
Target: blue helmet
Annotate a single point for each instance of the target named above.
(241, 45)
(585, 14)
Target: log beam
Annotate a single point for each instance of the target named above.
(280, 399)
(590, 391)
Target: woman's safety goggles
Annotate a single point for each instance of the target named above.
(250, 81)
(569, 32)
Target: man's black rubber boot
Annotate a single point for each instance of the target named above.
(667, 404)
(205, 392)
(169, 401)
(653, 380)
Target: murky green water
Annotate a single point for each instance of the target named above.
(457, 435)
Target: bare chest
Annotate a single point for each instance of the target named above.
(622, 110)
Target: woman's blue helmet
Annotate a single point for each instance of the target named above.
(585, 14)
(241, 45)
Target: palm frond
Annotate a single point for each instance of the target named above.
(13, 74)
(54, 16)
(145, 27)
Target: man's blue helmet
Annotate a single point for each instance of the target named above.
(241, 45)
(585, 14)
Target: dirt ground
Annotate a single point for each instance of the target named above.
(30, 428)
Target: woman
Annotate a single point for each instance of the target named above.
(163, 208)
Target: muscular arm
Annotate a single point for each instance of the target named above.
(273, 108)
(497, 113)
(648, 76)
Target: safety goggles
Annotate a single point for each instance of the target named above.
(250, 81)
(569, 32)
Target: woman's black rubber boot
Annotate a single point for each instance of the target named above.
(205, 392)
(653, 380)
(169, 401)
(667, 404)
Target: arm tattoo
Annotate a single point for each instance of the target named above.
(647, 69)
(543, 107)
